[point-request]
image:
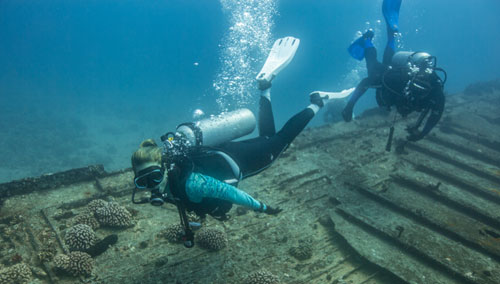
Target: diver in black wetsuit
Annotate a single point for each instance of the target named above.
(202, 178)
(406, 80)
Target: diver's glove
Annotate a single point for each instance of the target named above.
(347, 113)
(269, 210)
(414, 134)
(272, 211)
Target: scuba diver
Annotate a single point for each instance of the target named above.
(199, 166)
(406, 80)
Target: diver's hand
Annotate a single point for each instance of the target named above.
(414, 134)
(272, 211)
(347, 113)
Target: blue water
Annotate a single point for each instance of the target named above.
(83, 82)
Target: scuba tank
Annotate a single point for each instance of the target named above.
(416, 59)
(220, 129)
(207, 132)
(415, 62)
(419, 67)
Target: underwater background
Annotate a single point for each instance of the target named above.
(84, 82)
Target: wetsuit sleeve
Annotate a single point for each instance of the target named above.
(436, 108)
(200, 186)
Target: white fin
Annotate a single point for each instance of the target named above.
(334, 95)
(280, 55)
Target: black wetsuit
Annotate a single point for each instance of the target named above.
(256, 154)
(390, 84)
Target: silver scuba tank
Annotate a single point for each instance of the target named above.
(419, 59)
(219, 129)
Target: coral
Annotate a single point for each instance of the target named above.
(173, 233)
(86, 218)
(96, 204)
(303, 251)
(47, 252)
(262, 277)
(80, 237)
(113, 215)
(75, 263)
(16, 274)
(212, 239)
(61, 261)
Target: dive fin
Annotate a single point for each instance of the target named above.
(334, 95)
(357, 49)
(280, 55)
(390, 9)
(321, 98)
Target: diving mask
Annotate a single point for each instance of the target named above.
(150, 177)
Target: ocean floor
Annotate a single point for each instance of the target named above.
(426, 212)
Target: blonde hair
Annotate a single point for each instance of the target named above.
(148, 152)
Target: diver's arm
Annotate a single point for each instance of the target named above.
(200, 186)
(436, 109)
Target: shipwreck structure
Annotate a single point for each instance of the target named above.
(426, 212)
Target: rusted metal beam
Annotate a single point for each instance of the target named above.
(50, 181)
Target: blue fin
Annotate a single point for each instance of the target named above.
(390, 9)
(357, 49)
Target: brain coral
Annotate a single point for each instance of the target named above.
(75, 263)
(80, 237)
(113, 215)
(17, 274)
(262, 277)
(212, 239)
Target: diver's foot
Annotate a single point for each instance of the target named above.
(369, 34)
(347, 113)
(264, 84)
(317, 98)
(392, 31)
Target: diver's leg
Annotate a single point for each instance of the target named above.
(266, 117)
(390, 10)
(265, 151)
(372, 64)
(257, 154)
(279, 57)
(374, 70)
(293, 127)
(390, 48)
(358, 92)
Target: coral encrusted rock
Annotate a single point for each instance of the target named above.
(173, 233)
(17, 274)
(76, 263)
(80, 237)
(96, 204)
(113, 215)
(212, 239)
(303, 251)
(86, 218)
(262, 277)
